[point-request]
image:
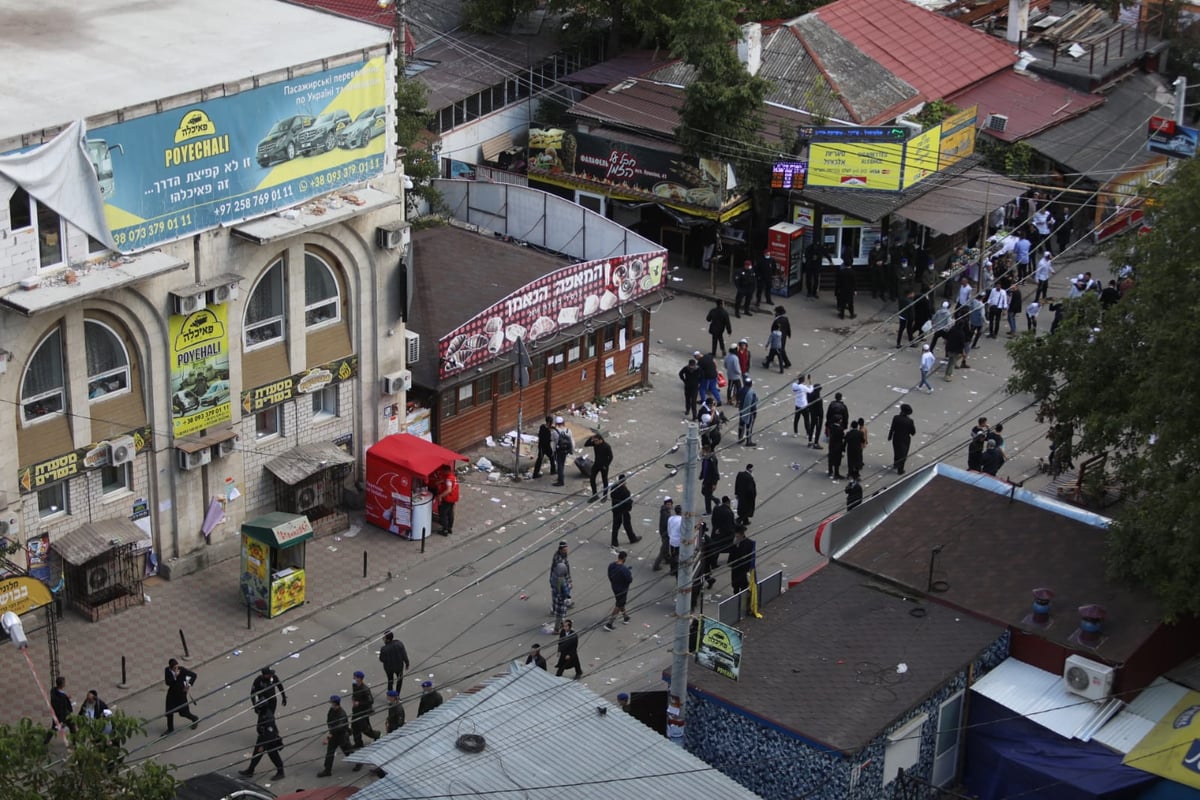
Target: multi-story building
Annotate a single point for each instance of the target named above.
(201, 267)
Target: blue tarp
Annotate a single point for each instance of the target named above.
(1009, 756)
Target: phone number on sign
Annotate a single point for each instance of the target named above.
(253, 201)
(152, 230)
(335, 177)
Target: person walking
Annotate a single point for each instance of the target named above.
(262, 691)
(800, 389)
(928, 362)
(338, 736)
(568, 650)
(545, 448)
(784, 326)
(564, 445)
(955, 346)
(63, 708)
(837, 447)
(395, 709)
(1031, 315)
(774, 346)
(362, 703)
(814, 417)
(535, 656)
(664, 549)
(854, 491)
(997, 304)
(690, 377)
(905, 315)
(179, 680)
(843, 290)
(394, 658)
(431, 698)
(724, 524)
(741, 559)
(620, 578)
(900, 435)
(447, 498)
(744, 282)
(268, 743)
(976, 318)
(1014, 307)
(675, 537)
(602, 457)
(733, 373)
(747, 412)
(622, 508)
(718, 325)
(710, 475)
(856, 443)
(764, 274)
(708, 378)
(1042, 274)
(745, 489)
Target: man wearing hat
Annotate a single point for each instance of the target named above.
(664, 549)
(623, 701)
(560, 584)
(745, 489)
(338, 737)
(262, 691)
(535, 656)
(900, 435)
(622, 512)
(362, 703)
(269, 743)
(745, 282)
(564, 445)
(747, 412)
(430, 698)
(395, 711)
(394, 658)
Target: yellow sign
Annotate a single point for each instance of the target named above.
(20, 595)
(921, 156)
(1172, 747)
(200, 393)
(856, 166)
(287, 592)
(958, 137)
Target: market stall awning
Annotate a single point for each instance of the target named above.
(414, 453)
(96, 538)
(279, 529)
(961, 201)
(493, 147)
(306, 460)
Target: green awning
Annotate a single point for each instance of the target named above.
(279, 529)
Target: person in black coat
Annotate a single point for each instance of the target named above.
(718, 325)
(856, 440)
(710, 474)
(602, 456)
(568, 650)
(394, 658)
(535, 657)
(741, 559)
(724, 525)
(262, 691)
(430, 698)
(338, 726)
(975, 451)
(622, 508)
(744, 282)
(784, 326)
(854, 492)
(362, 703)
(269, 743)
(62, 706)
(545, 448)
(900, 435)
(837, 447)
(690, 375)
(93, 707)
(745, 489)
(179, 680)
(843, 290)
(764, 275)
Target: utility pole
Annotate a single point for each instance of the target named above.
(1180, 98)
(677, 700)
(523, 363)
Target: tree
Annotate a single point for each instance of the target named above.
(934, 112)
(90, 769)
(420, 165)
(1126, 380)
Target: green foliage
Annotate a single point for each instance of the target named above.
(492, 16)
(1017, 159)
(934, 112)
(412, 120)
(32, 769)
(1129, 384)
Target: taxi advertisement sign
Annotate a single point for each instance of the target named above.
(720, 648)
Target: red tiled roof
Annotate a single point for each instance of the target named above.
(934, 53)
(364, 10)
(1031, 103)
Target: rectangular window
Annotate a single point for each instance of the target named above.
(639, 324)
(268, 423)
(52, 500)
(325, 404)
(466, 395)
(506, 381)
(903, 748)
(117, 478)
(588, 340)
(449, 407)
(483, 390)
(538, 370)
(50, 236)
(573, 353)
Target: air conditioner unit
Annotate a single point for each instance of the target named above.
(997, 122)
(187, 303)
(121, 450)
(306, 499)
(391, 237)
(397, 382)
(189, 461)
(1087, 678)
(99, 579)
(225, 293)
(225, 448)
(413, 344)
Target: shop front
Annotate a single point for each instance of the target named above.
(400, 477)
(273, 553)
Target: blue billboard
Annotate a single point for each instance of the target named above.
(175, 173)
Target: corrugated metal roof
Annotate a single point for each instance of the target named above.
(1134, 721)
(1040, 697)
(95, 538)
(544, 740)
(1032, 104)
(962, 201)
(872, 206)
(305, 460)
(614, 70)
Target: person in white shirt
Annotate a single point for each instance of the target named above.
(965, 291)
(1031, 315)
(1045, 269)
(1042, 223)
(928, 360)
(675, 536)
(997, 304)
(801, 388)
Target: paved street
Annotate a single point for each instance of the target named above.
(472, 602)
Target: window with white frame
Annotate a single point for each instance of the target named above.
(43, 389)
(52, 500)
(26, 212)
(116, 478)
(903, 748)
(107, 361)
(325, 403)
(268, 423)
(264, 320)
(322, 301)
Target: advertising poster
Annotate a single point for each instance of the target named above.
(1172, 747)
(720, 648)
(554, 302)
(958, 137)
(37, 557)
(261, 398)
(219, 162)
(32, 477)
(200, 396)
(848, 165)
(921, 156)
(21, 595)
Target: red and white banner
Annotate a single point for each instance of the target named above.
(557, 301)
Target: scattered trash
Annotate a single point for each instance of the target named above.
(901, 668)
(237, 652)
(484, 465)
(489, 441)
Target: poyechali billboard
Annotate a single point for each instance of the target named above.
(200, 394)
(720, 648)
(218, 162)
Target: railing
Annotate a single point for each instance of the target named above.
(1138, 37)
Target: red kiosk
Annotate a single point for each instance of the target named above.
(399, 470)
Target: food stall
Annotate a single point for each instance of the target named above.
(273, 561)
(399, 476)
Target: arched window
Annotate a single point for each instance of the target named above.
(107, 361)
(322, 301)
(264, 321)
(43, 389)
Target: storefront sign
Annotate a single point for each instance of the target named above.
(37, 557)
(21, 595)
(34, 476)
(172, 174)
(263, 397)
(788, 174)
(720, 648)
(629, 170)
(200, 370)
(560, 300)
(958, 137)
(921, 156)
(856, 166)
(296, 528)
(856, 133)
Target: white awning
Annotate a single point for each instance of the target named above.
(337, 207)
(493, 147)
(54, 291)
(1041, 697)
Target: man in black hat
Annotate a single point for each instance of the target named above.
(262, 691)
(745, 489)
(900, 435)
(622, 512)
(430, 698)
(363, 703)
(394, 658)
(535, 656)
(269, 743)
(338, 736)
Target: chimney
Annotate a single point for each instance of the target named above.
(749, 48)
(1091, 624)
(1018, 20)
(1041, 606)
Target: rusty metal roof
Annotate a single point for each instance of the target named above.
(1032, 104)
